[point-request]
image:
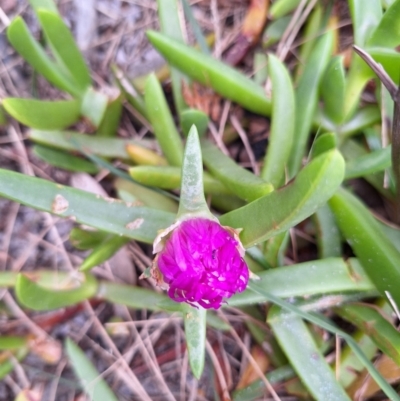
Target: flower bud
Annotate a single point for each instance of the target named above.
(200, 262)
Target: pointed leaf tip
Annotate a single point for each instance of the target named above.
(192, 200)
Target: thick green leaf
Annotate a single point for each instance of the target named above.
(275, 249)
(144, 156)
(92, 383)
(282, 126)
(200, 39)
(328, 236)
(255, 254)
(387, 3)
(64, 160)
(325, 324)
(132, 192)
(192, 201)
(3, 117)
(392, 233)
(208, 71)
(280, 8)
(226, 203)
(37, 297)
(161, 119)
(390, 60)
(274, 31)
(70, 140)
(310, 33)
(168, 14)
(12, 342)
(358, 76)
(363, 118)
(307, 98)
(102, 252)
(365, 16)
(283, 209)
(7, 279)
(369, 320)
(120, 173)
(333, 88)
(370, 163)
(332, 275)
(260, 62)
(111, 118)
(238, 180)
(380, 259)
(64, 47)
(21, 39)
(305, 357)
(387, 33)
(195, 331)
(134, 297)
(253, 265)
(323, 143)
(107, 214)
(43, 114)
(129, 91)
(44, 5)
(214, 321)
(256, 390)
(93, 107)
(196, 117)
(168, 177)
(350, 365)
(83, 239)
(351, 150)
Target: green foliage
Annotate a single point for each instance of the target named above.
(108, 214)
(42, 114)
(292, 204)
(64, 160)
(195, 117)
(372, 322)
(75, 141)
(238, 180)
(103, 251)
(21, 39)
(93, 106)
(64, 291)
(387, 33)
(211, 72)
(307, 98)
(304, 355)
(326, 276)
(195, 330)
(302, 193)
(171, 27)
(333, 90)
(94, 386)
(283, 123)
(162, 121)
(368, 242)
(63, 46)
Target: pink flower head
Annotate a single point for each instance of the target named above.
(202, 263)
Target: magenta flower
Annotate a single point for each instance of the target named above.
(201, 262)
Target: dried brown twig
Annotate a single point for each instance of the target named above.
(394, 91)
